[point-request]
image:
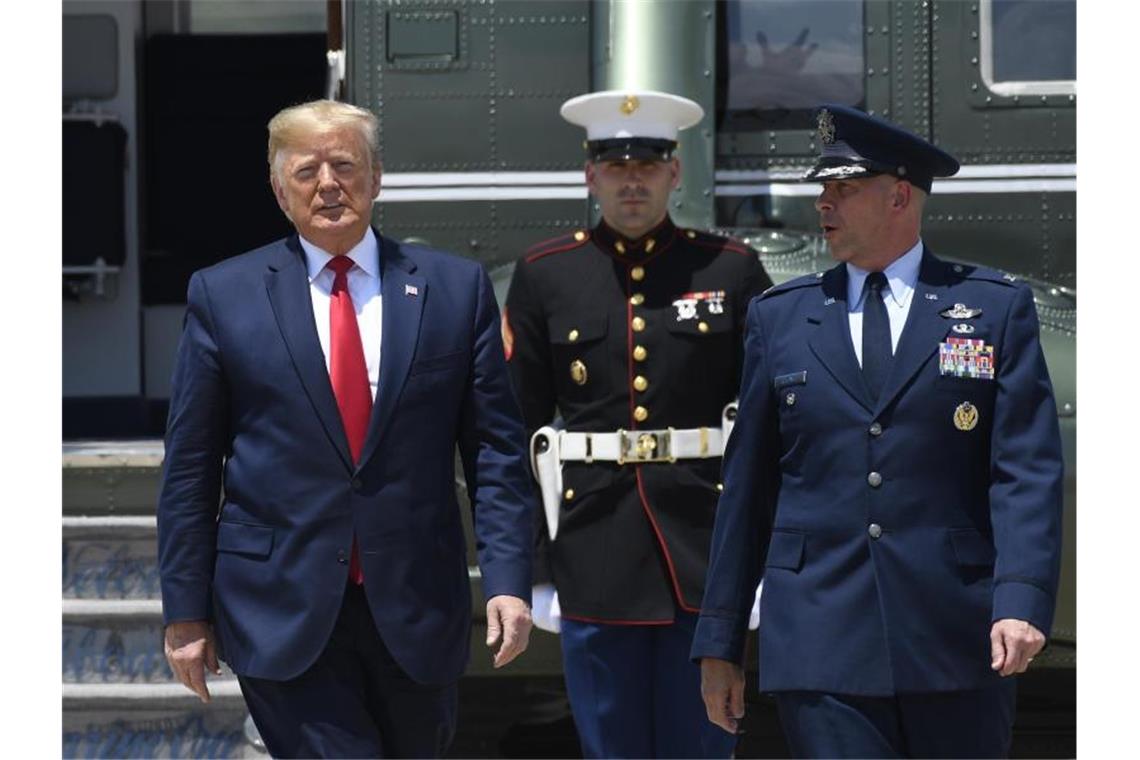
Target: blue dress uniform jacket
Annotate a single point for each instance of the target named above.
(251, 389)
(633, 540)
(890, 535)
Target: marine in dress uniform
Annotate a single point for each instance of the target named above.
(895, 477)
(634, 326)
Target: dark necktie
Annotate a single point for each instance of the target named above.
(349, 374)
(876, 334)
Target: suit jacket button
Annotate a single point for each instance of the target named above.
(341, 558)
(874, 479)
(874, 530)
(357, 484)
(876, 429)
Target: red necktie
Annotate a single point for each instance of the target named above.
(349, 374)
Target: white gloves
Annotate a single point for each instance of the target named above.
(754, 616)
(544, 610)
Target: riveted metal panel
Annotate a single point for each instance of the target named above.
(494, 232)
(906, 29)
(424, 135)
(547, 142)
(539, 49)
(878, 74)
(491, 107)
(979, 125)
(463, 227)
(524, 223)
(424, 38)
(1032, 234)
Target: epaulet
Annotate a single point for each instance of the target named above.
(709, 240)
(558, 244)
(986, 274)
(796, 283)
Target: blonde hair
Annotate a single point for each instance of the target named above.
(292, 123)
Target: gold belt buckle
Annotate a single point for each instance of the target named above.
(645, 446)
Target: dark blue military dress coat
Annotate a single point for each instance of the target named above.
(889, 534)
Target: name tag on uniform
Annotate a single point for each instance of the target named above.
(792, 378)
(966, 357)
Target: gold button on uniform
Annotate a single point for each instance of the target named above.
(638, 324)
(578, 372)
(641, 414)
(639, 353)
(690, 234)
(637, 299)
(703, 327)
(573, 336)
(637, 273)
(569, 494)
(640, 383)
(579, 236)
(649, 245)
(619, 247)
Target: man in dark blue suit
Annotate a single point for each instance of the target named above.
(322, 385)
(894, 476)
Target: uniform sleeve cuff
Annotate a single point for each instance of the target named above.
(719, 637)
(1024, 601)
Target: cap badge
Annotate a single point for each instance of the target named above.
(825, 126)
(630, 104)
(966, 416)
(578, 372)
(960, 311)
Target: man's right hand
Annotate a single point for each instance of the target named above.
(190, 650)
(722, 688)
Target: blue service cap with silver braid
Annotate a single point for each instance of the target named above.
(855, 144)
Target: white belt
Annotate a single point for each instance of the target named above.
(641, 446)
(549, 448)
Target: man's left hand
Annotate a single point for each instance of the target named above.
(1014, 643)
(508, 620)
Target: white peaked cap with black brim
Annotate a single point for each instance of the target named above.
(631, 124)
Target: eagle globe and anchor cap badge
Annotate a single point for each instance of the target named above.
(966, 416)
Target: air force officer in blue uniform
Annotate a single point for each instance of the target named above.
(322, 385)
(894, 476)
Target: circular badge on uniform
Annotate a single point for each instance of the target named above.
(578, 372)
(966, 416)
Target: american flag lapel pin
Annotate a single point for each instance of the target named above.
(411, 290)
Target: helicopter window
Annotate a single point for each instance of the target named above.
(256, 17)
(785, 57)
(1029, 47)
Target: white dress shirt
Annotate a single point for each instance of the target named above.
(363, 286)
(902, 277)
